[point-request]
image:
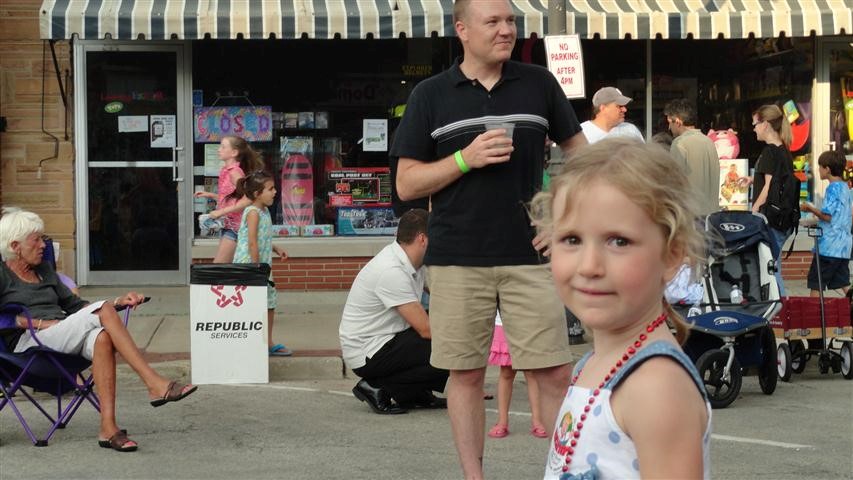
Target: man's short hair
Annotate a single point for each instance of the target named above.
(411, 224)
(682, 109)
(459, 7)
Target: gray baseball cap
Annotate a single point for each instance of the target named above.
(609, 95)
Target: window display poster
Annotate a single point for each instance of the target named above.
(253, 124)
(321, 119)
(212, 162)
(366, 221)
(565, 61)
(734, 193)
(306, 119)
(375, 135)
(297, 190)
(291, 120)
(162, 131)
(132, 123)
(199, 203)
(359, 187)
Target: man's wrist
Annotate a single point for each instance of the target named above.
(460, 162)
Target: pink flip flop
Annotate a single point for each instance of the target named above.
(498, 431)
(538, 432)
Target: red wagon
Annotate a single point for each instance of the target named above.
(806, 335)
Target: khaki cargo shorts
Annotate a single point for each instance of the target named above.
(463, 302)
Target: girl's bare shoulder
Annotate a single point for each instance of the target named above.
(662, 392)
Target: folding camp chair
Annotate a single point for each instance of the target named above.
(44, 370)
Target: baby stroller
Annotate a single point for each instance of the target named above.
(731, 337)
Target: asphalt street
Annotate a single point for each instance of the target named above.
(317, 429)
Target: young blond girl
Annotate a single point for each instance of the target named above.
(254, 239)
(635, 406)
(238, 158)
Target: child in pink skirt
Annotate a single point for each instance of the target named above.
(499, 356)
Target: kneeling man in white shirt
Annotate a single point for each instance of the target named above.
(384, 332)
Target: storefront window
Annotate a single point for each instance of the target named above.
(333, 109)
(729, 79)
(841, 102)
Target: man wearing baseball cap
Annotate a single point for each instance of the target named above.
(609, 107)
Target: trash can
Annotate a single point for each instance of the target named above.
(228, 323)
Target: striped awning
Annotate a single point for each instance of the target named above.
(708, 19)
(259, 19)
(287, 19)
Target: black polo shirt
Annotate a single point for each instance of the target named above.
(481, 219)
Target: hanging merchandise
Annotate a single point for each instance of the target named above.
(800, 128)
(725, 142)
(847, 98)
(297, 181)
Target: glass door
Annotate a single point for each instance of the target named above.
(834, 97)
(131, 133)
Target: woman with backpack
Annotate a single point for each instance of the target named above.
(775, 192)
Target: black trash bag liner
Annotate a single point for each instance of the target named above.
(249, 274)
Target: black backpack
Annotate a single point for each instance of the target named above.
(782, 208)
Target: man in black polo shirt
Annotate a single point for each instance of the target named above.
(482, 248)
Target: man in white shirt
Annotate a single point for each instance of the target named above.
(384, 331)
(609, 108)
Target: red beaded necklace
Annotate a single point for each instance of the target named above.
(632, 350)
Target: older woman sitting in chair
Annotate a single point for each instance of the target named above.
(69, 324)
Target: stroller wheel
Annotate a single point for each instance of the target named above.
(783, 362)
(847, 360)
(767, 376)
(722, 387)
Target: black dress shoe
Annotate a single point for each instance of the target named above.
(377, 398)
(428, 401)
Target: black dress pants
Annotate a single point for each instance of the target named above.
(401, 367)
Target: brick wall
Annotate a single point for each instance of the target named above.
(311, 274)
(24, 144)
(338, 273)
(796, 267)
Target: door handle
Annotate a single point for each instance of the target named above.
(175, 176)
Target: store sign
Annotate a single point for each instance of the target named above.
(565, 61)
(113, 107)
(417, 70)
(359, 187)
(253, 124)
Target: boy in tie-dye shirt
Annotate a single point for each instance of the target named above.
(834, 218)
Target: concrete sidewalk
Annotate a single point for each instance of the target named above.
(307, 322)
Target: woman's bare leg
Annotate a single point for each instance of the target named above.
(124, 344)
(104, 374)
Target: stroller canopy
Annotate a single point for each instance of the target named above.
(739, 231)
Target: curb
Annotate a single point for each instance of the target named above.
(303, 365)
